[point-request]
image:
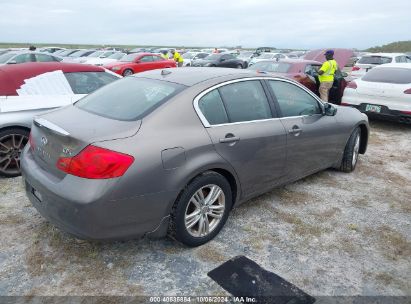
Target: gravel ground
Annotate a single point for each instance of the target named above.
(330, 234)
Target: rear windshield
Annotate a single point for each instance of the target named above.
(269, 66)
(388, 75)
(130, 98)
(88, 82)
(374, 60)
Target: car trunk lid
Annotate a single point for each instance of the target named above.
(57, 134)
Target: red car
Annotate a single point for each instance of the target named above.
(303, 71)
(139, 62)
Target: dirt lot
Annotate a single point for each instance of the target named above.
(329, 234)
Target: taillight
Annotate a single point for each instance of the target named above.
(352, 85)
(408, 91)
(31, 142)
(96, 163)
(355, 68)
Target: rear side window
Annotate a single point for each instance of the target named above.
(88, 82)
(294, 101)
(44, 58)
(388, 75)
(24, 58)
(211, 105)
(129, 98)
(374, 60)
(245, 101)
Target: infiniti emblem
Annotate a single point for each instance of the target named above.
(44, 140)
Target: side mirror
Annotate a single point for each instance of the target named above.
(137, 61)
(222, 59)
(344, 74)
(103, 56)
(12, 62)
(329, 109)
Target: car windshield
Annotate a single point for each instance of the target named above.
(388, 75)
(266, 56)
(87, 82)
(77, 54)
(96, 54)
(245, 55)
(65, 53)
(375, 60)
(269, 66)
(130, 98)
(130, 57)
(188, 55)
(116, 56)
(6, 57)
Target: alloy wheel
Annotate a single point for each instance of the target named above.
(356, 150)
(11, 146)
(204, 210)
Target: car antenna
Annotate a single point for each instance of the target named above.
(165, 72)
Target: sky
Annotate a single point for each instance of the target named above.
(297, 24)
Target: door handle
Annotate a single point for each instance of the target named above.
(229, 138)
(295, 130)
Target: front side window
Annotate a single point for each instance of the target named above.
(294, 101)
(88, 82)
(245, 101)
(375, 60)
(44, 58)
(129, 98)
(146, 59)
(23, 58)
(212, 107)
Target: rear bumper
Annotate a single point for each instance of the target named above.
(89, 213)
(386, 113)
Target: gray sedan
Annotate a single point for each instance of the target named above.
(172, 152)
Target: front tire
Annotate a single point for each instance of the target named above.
(127, 72)
(239, 66)
(201, 210)
(12, 143)
(351, 152)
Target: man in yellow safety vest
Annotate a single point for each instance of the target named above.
(326, 74)
(177, 57)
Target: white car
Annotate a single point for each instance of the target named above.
(100, 61)
(369, 61)
(385, 91)
(93, 55)
(268, 56)
(246, 56)
(190, 56)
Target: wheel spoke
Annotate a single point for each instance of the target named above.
(213, 195)
(191, 215)
(6, 147)
(19, 146)
(216, 215)
(17, 160)
(6, 164)
(193, 221)
(206, 225)
(201, 226)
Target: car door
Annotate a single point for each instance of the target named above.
(159, 62)
(144, 63)
(312, 138)
(246, 132)
(226, 61)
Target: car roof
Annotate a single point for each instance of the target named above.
(394, 65)
(12, 76)
(193, 75)
(290, 60)
(384, 54)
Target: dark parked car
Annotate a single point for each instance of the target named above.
(305, 72)
(222, 60)
(173, 151)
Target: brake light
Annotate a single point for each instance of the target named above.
(96, 163)
(408, 91)
(352, 85)
(355, 68)
(31, 142)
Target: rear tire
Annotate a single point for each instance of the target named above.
(127, 72)
(201, 210)
(351, 151)
(12, 143)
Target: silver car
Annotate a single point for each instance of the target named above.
(172, 152)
